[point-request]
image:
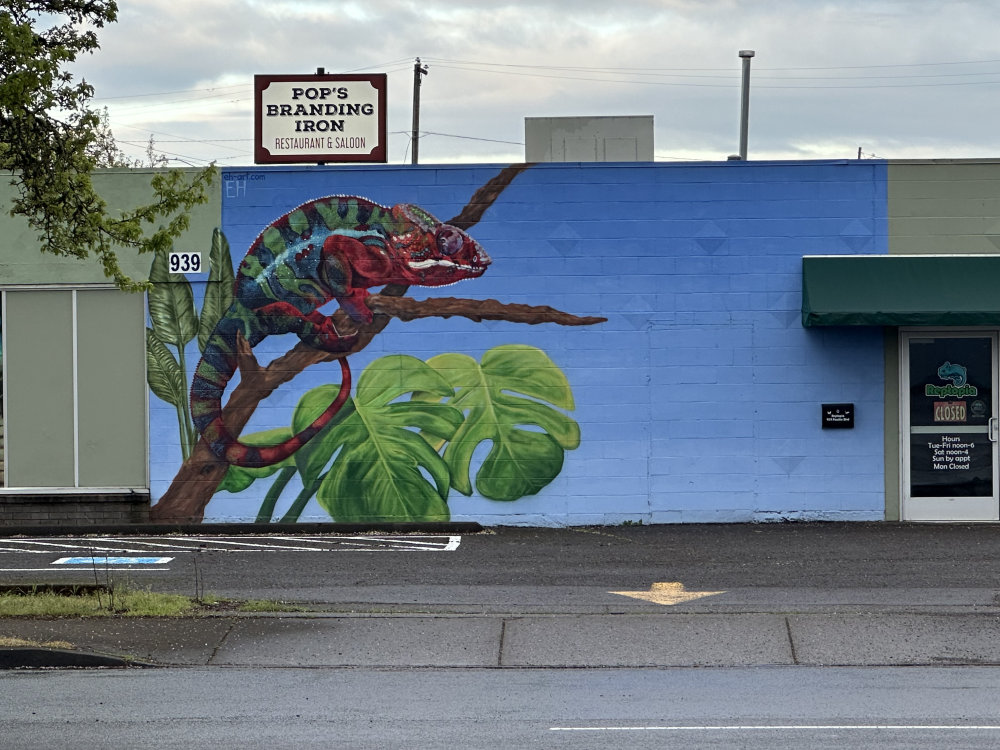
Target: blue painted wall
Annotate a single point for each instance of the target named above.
(699, 399)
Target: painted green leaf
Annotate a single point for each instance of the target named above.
(383, 469)
(238, 478)
(312, 458)
(171, 305)
(163, 373)
(219, 290)
(514, 387)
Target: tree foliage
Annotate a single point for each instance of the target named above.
(51, 141)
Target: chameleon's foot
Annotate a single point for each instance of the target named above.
(327, 342)
(354, 305)
(323, 335)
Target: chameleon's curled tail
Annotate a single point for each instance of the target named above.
(206, 407)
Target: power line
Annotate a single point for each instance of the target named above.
(480, 66)
(220, 90)
(733, 82)
(181, 139)
(189, 140)
(727, 69)
(471, 138)
(678, 158)
(167, 93)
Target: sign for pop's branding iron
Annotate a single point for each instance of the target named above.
(319, 118)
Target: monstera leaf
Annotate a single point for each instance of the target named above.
(314, 456)
(514, 387)
(219, 291)
(171, 305)
(380, 461)
(238, 478)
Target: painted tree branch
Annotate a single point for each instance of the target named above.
(199, 476)
(407, 309)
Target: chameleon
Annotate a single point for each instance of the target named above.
(957, 374)
(331, 248)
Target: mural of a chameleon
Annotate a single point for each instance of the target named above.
(331, 248)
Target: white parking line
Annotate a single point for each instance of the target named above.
(32, 551)
(146, 543)
(782, 727)
(90, 569)
(200, 544)
(246, 545)
(112, 561)
(311, 540)
(82, 545)
(256, 543)
(415, 543)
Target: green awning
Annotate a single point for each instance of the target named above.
(901, 290)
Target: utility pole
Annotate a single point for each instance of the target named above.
(418, 71)
(745, 55)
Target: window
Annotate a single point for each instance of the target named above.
(74, 389)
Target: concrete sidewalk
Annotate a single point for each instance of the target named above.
(571, 640)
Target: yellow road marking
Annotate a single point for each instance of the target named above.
(667, 593)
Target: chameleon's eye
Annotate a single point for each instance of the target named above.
(449, 240)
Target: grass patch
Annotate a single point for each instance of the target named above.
(94, 604)
(8, 642)
(128, 603)
(269, 605)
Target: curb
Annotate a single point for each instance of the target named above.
(32, 657)
(235, 529)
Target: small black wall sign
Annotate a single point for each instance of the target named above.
(838, 416)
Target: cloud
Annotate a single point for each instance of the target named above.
(826, 74)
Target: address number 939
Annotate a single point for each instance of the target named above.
(184, 262)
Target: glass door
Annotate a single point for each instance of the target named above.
(949, 415)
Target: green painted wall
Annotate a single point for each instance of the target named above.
(940, 206)
(891, 421)
(74, 355)
(22, 263)
(111, 414)
(944, 206)
(38, 368)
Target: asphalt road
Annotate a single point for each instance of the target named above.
(755, 708)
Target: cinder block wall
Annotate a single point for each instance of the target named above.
(79, 509)
(699, 399)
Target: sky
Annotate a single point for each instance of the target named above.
(896, 79)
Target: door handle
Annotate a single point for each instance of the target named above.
(993, 429)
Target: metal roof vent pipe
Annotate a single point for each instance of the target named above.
(745, 55)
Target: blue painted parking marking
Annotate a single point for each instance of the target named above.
(112, 561)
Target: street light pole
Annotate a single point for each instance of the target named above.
(745, 55)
